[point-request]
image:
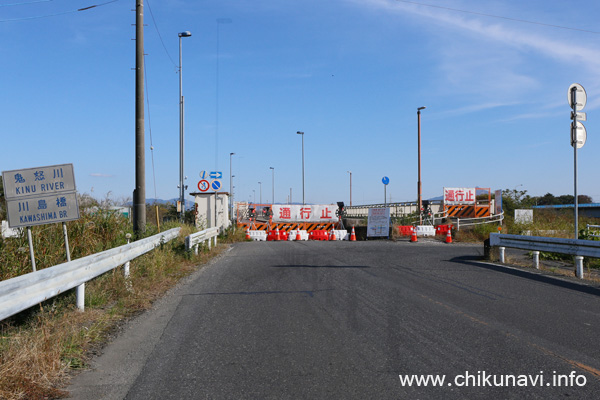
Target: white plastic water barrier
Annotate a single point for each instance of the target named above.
(258, 236)
(425, 230)
(293, 233)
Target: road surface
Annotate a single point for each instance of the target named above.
(357, 320)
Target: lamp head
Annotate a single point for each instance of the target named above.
(185, 34)
(421, 108)
(300, 133)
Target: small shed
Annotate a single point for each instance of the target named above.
(212, 210)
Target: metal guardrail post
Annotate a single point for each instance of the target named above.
(126, 267)
(536, 259)
(579, 266)
(502, 259)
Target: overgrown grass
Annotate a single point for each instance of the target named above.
(40, 346)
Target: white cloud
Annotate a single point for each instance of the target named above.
(494, 60)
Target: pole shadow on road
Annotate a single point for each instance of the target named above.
(321, 266)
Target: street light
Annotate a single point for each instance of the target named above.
(350, 172)
(419, 193)
(302, 133)
(181, 184)
(230, 187)
(260, 187)
(273, 174)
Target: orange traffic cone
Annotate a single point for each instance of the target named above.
(298, 237)
(413, 236)
(353, 236)
(277, 237)
(332, 235)
(248, 233)
(449, 234)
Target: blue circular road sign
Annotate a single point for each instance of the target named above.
(385, 180)
(215, 185)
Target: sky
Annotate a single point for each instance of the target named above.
(350, 74)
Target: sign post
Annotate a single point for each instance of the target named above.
(38, 196)
(385, 180)
(577, 98)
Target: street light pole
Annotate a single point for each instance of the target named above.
(302, 133)
(350, 172)
(260, 188)
(181, 183)
(230, 187)
(273, 184)
(419, 192)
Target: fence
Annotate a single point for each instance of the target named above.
(207, 235)
(576, 247)
(594, 233)
(18, 294)
(463, 222)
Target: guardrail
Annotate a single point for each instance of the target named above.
(18, 294)
(593, 234)
(497, 218)
(207, 235)
(576, 247)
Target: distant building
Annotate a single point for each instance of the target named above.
(591, 210)
(212, 209)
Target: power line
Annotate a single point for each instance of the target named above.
(159, 35)
(22, 4)
(60, 13)
(499, 17)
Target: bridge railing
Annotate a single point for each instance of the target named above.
(464, 222)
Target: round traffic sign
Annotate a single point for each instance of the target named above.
(215, 184)
(203, 185)
(579, 135)
(203, 174)
(385, 180)
(576, 96)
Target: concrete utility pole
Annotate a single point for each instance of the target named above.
(181, 134)
(139, 194)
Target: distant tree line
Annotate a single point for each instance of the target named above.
(519, 199)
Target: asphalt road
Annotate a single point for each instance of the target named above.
(348, 320)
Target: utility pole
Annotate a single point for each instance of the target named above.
(139, 194)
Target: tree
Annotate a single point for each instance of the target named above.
(515, 199)
(584, 199)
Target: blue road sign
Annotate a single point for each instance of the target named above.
(385, 180)
(216, 175)
(215, 185)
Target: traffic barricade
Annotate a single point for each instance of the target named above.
(319, 235)
(442, 229)
(258, 236)
(405, 230)
(425, 230)
(341, 234)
